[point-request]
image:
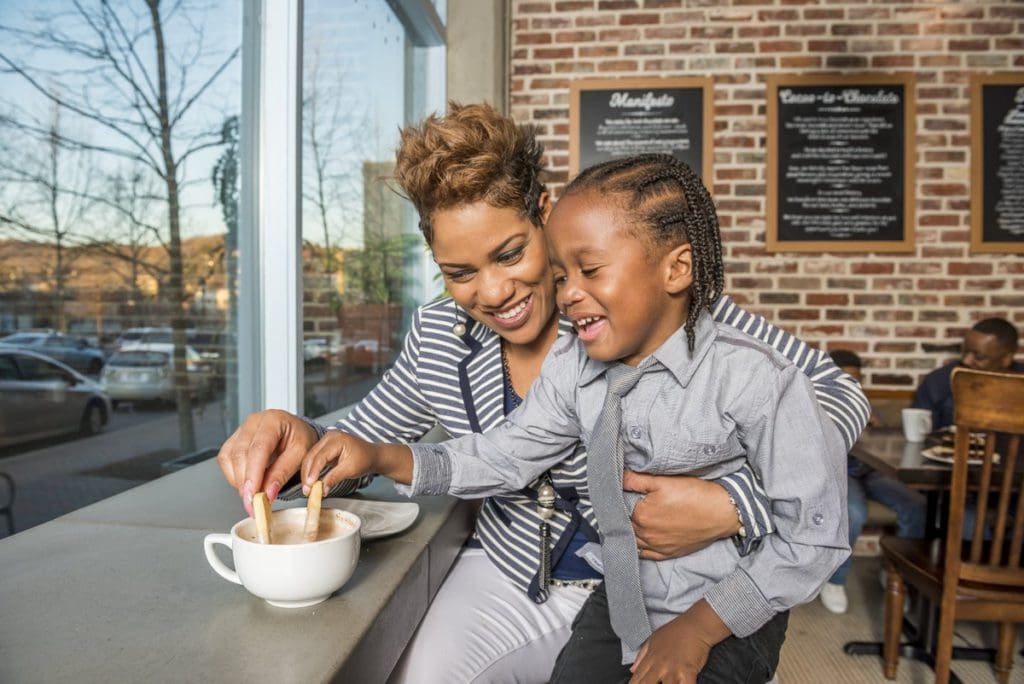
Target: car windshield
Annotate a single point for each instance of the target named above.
(157, 337)
(138, 359)
(24, 338)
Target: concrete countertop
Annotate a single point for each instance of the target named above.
(120, 591)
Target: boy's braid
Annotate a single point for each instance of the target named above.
(672, 204)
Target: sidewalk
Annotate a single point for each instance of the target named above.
(59, 478)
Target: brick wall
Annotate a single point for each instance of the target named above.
(905, 314)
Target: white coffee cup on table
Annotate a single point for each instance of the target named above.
(917, 423)
(290, 573)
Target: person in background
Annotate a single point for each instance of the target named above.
(474, 177)
(864, 483)
(990, 345)
(637, 262)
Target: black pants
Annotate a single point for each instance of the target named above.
(593, 654)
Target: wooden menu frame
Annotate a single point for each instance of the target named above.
(582, 133)
(902, 239)
(982, 194)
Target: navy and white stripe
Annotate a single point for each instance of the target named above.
(458, 384)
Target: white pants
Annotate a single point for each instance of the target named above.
(482, 628)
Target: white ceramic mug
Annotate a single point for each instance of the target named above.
(917, 423)
(290, 575)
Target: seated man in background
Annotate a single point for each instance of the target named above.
(989, 346)
(863, 483)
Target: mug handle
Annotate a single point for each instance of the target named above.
(216, 563)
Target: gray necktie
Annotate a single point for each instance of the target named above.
(618, 543)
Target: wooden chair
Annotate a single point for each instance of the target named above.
(981, 578)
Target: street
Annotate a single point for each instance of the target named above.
(57, 476)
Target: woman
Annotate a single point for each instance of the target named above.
(505, 608)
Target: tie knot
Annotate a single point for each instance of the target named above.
(622, 378)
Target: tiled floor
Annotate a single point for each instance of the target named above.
(813, 651)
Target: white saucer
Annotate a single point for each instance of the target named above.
(380, 518)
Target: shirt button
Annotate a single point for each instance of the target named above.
(635, 432)
(818, 518)
(708, 449)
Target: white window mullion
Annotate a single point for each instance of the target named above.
(278, 223)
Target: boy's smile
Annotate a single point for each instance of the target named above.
(619, 291)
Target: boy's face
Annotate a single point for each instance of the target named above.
(623, 300)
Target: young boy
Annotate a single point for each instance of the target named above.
(635, 248)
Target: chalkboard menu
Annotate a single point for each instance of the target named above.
(610, 118)
(840, 161)
(997, 163)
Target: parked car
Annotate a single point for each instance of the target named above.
(41, 397)
(145, 372)
(323, 350)
(72, 351)
(368, 354)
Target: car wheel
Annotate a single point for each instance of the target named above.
(92, 420)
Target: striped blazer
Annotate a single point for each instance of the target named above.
(457, 382)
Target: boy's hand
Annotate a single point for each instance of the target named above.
(354, 458)
(678, 651)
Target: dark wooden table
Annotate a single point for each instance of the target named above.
(887, 451)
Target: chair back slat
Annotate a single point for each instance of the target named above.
(991, 404)
(1017, 541)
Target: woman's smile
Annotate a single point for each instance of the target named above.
(514, 316)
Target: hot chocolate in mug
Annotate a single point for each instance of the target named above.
(290, 573)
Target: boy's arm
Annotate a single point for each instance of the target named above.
(542, 432)
(395, 410)
(801, 461)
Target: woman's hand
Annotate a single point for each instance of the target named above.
(678, 514)
(264, 452)
(354, 457)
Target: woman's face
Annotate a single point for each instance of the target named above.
(495, 264)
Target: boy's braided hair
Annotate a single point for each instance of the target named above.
(669, 204)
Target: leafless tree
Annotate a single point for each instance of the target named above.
(45, 198)
(333, 129)
(143, 96)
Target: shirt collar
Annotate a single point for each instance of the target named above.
(674, 354)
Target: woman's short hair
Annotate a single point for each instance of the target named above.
(471, 154)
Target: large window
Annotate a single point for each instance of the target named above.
(130, 199)
(364, 263)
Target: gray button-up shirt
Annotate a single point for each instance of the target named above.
(702, 414)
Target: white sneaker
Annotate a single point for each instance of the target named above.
(833, 597)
